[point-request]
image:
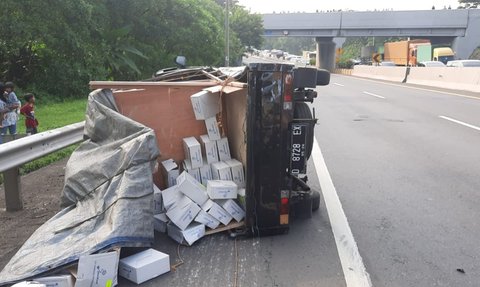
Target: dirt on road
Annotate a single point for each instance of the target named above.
(41, 191)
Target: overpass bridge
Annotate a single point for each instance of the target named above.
(461, 26)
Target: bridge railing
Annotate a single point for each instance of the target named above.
(15, 153)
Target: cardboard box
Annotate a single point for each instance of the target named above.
(195, 172)
(160, 222)
(170, 196)
(56, 281)
(221, 189)
(105, 266)
(188, 236)
(209, 148)
(232, 208)
(212, 128)
(157, 200)
(205, 174)
(189, 186)
(193, 151)
(221, 171)
(205, 218)
(238, 175)
(223, 149)
(170, 168)
(205, 104)
(217, 212)
(144, 265)
(183, 214)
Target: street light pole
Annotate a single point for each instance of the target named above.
(227, 33)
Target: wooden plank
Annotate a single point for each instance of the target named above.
(225, 228)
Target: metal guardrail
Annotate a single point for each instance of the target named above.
(17, 152)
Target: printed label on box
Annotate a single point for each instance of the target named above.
(206, 174)
(221, 189)
(210, 149)
(223, 149)
(193, 151)
(205, 218)
(236, 167)
(221, 171)
(212, 128)
(205, 104)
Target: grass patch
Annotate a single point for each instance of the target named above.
(52, 116)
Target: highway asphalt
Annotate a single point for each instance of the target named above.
(405, 163)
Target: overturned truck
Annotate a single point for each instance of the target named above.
(264, 116)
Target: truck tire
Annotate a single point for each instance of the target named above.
(302, 111)
(315, 200)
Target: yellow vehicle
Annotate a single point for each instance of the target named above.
(443, 54)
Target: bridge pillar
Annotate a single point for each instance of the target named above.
(325, 53)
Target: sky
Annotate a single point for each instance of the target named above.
(269, 6)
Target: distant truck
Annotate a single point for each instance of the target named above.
(411, 52)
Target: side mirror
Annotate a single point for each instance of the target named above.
(181, 61)
(323, 77)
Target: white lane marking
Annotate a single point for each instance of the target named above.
(340, 85)
(414, 88)
(460, 122)
(352, 264)
(374, 95)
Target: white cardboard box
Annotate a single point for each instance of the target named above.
(217, 212)
(205, 104)
(212, 128)
(223, 149)
(232, 208)
(144, 265)
(157, 200)
(160, 222)
(210, 148)
(205, 218)
(221, 171)
(189, 186)
(205, 174)
(238, 176)
(193, 151)
(171, 169)
(56, 281)
(222, 189)
(195, 172)
(106, 266)
(188, 236)
(182, 216)
(170, 196)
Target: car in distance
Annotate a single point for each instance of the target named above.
(387, 64)
(431, 64)
(464, 63)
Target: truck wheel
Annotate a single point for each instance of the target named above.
(302, 111)
(315, 200)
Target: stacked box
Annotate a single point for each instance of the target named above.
(157, 200)
(171, 171)
(223, 149)
(195, 172)
(189, 186)
(205, 104)
(217, 212)
(212, 128)
(210, 149)
(222, 189)
(236, 168)
(170, 197)
(193, 151)
(205, 174)
(205, 218)
(221, 171)
(187, 236)
(232, 208)
(183, 213)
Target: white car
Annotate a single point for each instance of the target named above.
(464, 63)
(431, 64)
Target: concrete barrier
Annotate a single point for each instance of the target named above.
(343, 71)
(394, 74)
(456, 78)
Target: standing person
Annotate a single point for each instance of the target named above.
(11, 117)
(3, 108)
(28, 110)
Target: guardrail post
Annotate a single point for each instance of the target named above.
(11, 182)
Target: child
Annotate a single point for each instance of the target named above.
(10, 119)
(28, 110)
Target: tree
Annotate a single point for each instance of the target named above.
(248, 27)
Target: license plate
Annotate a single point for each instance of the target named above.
(298, 149)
